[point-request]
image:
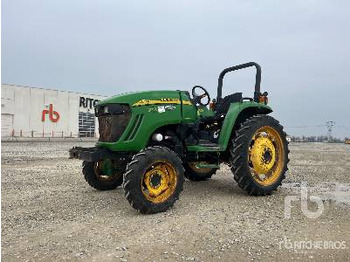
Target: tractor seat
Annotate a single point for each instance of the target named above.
(222, 106)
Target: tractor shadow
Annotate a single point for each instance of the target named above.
(218, 189)
(214, 187)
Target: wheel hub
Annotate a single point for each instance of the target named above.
(105, 171)
(155, 180)
(263, 155)
(159, 182)
(266, 156)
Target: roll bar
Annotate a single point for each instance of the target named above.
(238, 67)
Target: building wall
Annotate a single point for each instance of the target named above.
(25, 111)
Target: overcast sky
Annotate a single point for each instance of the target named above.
(110, 47)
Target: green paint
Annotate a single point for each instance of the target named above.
(174, 108)
(230, 119)
(227, 127)
(108, 168)
(150, 118)
(207, 166)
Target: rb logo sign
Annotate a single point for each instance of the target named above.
(53, 115)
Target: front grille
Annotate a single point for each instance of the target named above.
(113, 123)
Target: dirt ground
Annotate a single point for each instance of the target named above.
(49, 213)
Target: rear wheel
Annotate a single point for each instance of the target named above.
(153, 180)
(259, 155)
(102, 175)
(192, 172)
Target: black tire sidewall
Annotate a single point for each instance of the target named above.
(133, 180)
(248, 129)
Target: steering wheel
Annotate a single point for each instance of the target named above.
(197, 98)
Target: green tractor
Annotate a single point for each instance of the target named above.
(149, 141)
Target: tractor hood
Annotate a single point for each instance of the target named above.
(135, 99)
(127, 121)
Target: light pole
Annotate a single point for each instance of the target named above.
(329, 126)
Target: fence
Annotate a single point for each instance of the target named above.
(15, 134)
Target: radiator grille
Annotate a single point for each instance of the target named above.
(112, 126)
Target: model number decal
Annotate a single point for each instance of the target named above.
(162, 109)
(145, 102)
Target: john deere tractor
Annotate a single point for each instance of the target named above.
(149, 141)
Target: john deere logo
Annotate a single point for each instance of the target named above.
(53, 115)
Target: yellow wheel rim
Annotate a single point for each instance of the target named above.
(201, 170)
(266, 156)
(159, 181)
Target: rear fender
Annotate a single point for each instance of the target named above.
(238, 113)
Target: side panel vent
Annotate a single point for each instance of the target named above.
(134, 128)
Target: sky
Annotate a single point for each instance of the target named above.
(109, 47)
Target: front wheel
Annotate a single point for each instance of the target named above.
(102, 175)
(259, 155)
(153, 180)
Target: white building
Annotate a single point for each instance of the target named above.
(40, 112)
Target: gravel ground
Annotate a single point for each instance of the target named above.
(50, 214)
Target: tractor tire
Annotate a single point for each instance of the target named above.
(259, 155)
(94, 177)
(153, 180)
(198, 174)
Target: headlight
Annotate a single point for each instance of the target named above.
(105, 109)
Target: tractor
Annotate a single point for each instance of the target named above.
(150, 141)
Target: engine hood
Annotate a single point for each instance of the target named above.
(135, 99)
